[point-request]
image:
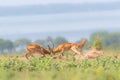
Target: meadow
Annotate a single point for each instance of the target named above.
(100, 68)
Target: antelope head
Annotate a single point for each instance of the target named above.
(83, 42)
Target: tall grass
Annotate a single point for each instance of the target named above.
(102, 68)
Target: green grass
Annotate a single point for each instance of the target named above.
(103, 68)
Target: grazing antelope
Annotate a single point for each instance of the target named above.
(35, 48)
(93, 53)
(90, 55)
(117, 56)
(69, 46)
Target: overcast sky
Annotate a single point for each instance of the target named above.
(31, 2)
(105, 20)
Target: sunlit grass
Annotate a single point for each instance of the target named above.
(102, 68)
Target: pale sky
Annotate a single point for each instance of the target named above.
(32, 2)
(105, 20)
(98, 20)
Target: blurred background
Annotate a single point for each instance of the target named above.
(35, 21)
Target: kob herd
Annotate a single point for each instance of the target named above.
(63, 47)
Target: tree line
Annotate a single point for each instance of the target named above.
(110, 40)
(19, 45)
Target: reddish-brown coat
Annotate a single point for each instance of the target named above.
(35, 48)
(70, 46)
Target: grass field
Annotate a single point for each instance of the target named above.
(101, 68)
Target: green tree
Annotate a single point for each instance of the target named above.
(9, 46)
(2, 46)
(22, 43)
(40, 42)
(102, 34)
(98, 43)
(6, 45)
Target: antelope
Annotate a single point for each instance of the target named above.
(69, 46)
(117, 56)
(91, 54)
(33, 48)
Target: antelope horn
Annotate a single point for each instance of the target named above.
(49, 47)
(51, 43)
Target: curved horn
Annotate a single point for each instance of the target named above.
(52, 45)
(50, 41)
(49, 47)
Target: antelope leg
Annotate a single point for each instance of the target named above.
(76, 51)
(62, 52)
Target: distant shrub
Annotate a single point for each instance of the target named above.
(98, 43)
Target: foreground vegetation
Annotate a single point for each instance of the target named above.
(102, 68)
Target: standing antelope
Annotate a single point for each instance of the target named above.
(33, 48)
(70, 46)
